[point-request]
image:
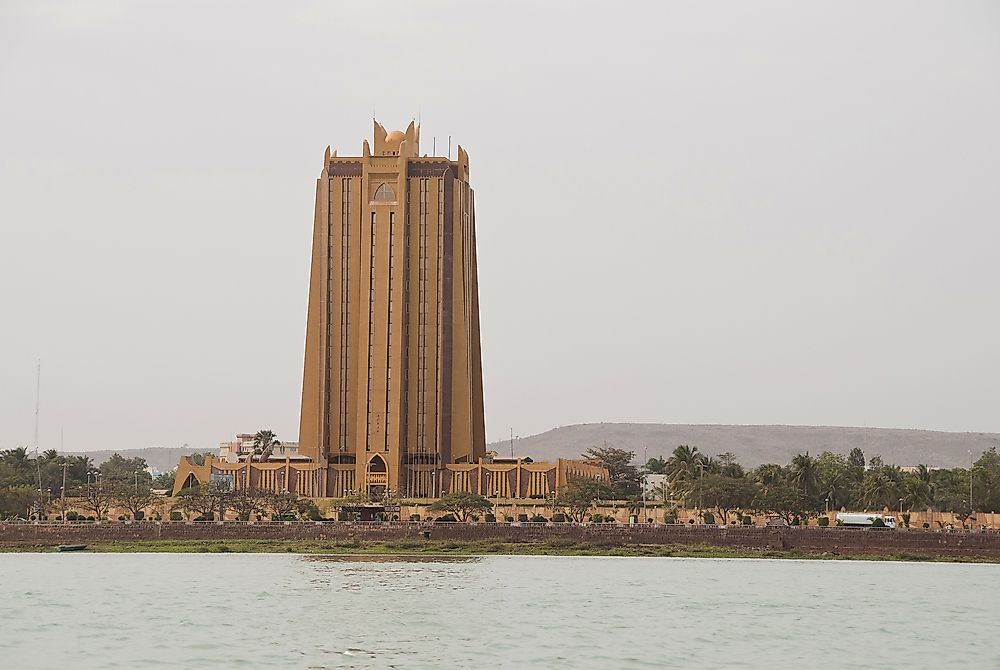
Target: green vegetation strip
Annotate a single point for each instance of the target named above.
(554, 547)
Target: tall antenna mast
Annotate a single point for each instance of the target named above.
(38, 396)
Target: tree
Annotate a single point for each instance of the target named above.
(249, 501)
(578, 497)
(770, 474)
(133, 498)
(461, 504)
(121, 469)
(986, 481)
(656, 466)
(783, 500)
(200, 500)
(856, 459)
(728, 467)
(804, 475)
(724, 494)
(165, 480)
(286, 502)
(838, 479)
(264, 443)
(684, 465)
(96, 498)
(625, 479)
(16, 501)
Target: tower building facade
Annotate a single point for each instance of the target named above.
(392, 389)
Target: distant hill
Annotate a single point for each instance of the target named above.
(159, 458)
(754, 445)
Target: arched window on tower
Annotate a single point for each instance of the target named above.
(384, 194)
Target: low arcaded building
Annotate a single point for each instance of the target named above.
(494, 478)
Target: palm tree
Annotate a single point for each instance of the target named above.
(804, 475)
(768, 475)
(683, 468)
(656, 465)
(683, 463)
(264, 443)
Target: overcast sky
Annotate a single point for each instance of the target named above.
(764, 213)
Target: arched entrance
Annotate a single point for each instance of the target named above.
(376, 476)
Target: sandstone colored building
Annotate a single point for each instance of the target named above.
(392, 390)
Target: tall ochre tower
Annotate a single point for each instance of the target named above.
(392, 389)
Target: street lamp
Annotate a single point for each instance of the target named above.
(900, 507)
(828, 506)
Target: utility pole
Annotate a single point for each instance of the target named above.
(62, 496)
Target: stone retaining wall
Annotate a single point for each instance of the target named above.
(831, 540)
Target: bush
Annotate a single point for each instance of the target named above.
(747, 521)
(926, 525)
(709, 518)
(72, 516)
(176, 516)
(597, 518)
(522, 518)
(796, 521)
(90, 518)
(824, 521)
(140, 515)
(538, 518)
(906, 519)
(509, 519)
(447, 517)
(670, 517)
(559, 517)
(490, 518)
(414, 517)
(343, 515)
(878, 523)
(691, 521)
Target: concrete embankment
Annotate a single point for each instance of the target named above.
(932, 544)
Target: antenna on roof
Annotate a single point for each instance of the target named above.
(449, 147)
(434, 146)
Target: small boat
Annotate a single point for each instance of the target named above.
(71, 547)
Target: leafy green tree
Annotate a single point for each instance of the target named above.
(578, 497)
(165, 480)
(126, 470)
(986, 481)
(17, 501)
(462, 504)
(133, 498)
(770, 474)
(783, 500)
(856, 459)
(729, 467)
(199, 500)
(882, 485)
(656, 466)
(248, 502)
(625, 478)
(838, 479)
(724, 494)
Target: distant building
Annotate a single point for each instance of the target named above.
(242, 448)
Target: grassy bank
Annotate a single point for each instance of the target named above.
(428, 548)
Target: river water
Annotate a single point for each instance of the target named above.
(289, 611)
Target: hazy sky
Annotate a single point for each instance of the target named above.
(774, 212)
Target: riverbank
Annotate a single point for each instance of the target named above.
(444, 548)
(522, 539)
